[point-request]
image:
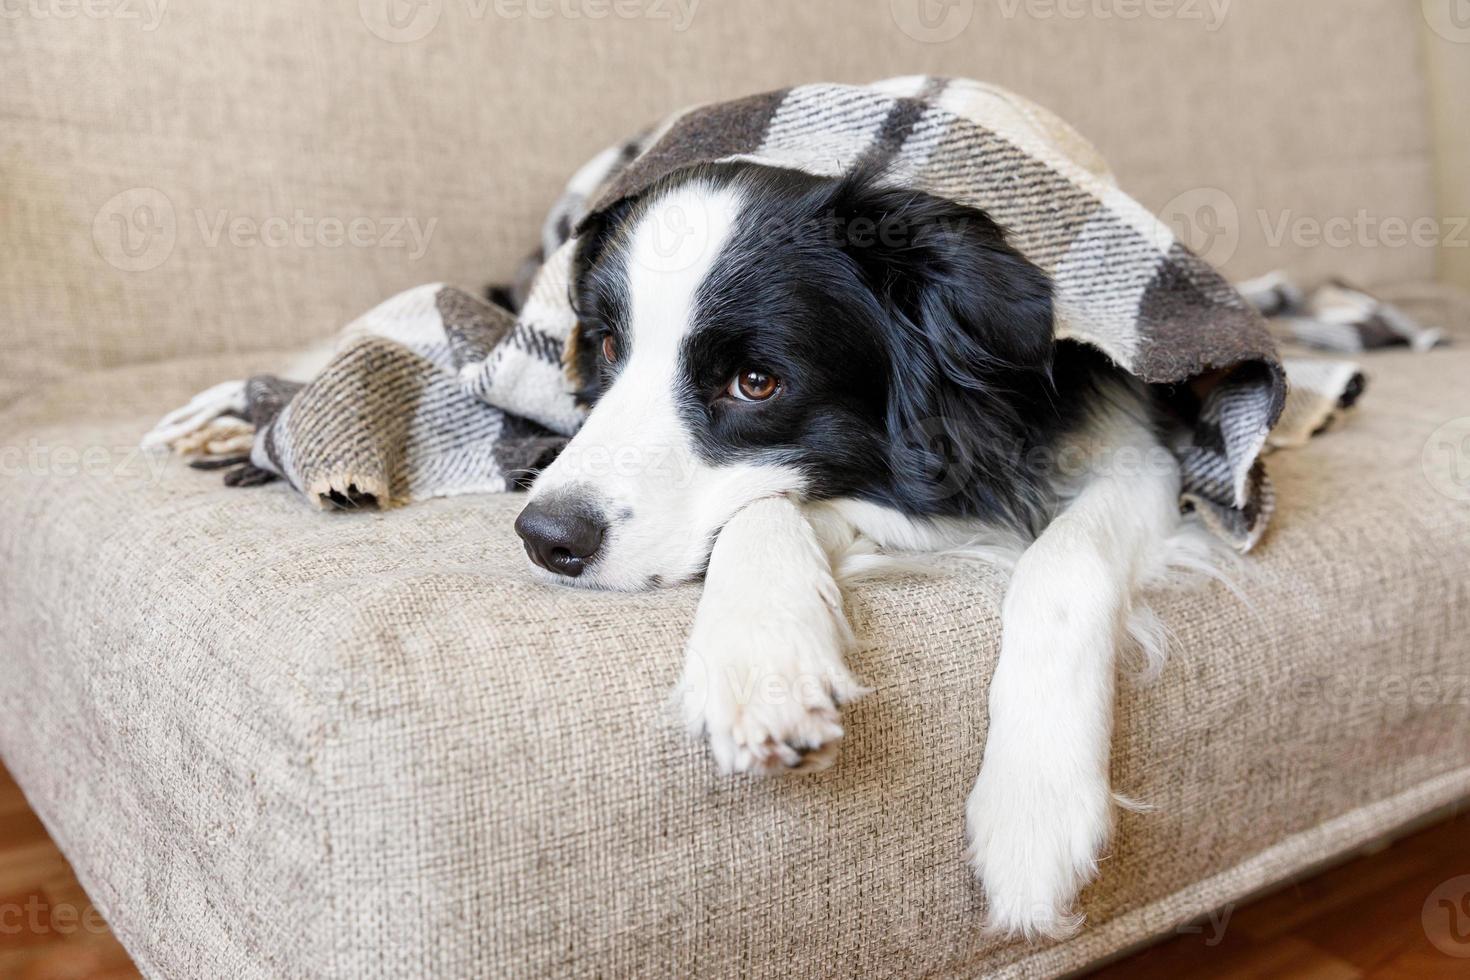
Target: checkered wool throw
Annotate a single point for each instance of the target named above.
(1334, 316)
(436, 392)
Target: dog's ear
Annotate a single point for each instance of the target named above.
(970, 339)
(594, 233)
(595, 230)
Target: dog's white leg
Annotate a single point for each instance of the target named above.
(763, 673)
(1041, 809)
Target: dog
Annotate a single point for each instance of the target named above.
(787, 371)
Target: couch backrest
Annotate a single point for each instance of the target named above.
(181, 179)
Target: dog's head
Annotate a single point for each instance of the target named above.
(745, 331)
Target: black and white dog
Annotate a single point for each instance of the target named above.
(785, 370)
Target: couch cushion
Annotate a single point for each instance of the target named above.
(276, 742)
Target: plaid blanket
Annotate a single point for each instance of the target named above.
(1334, 316)
(436, 392)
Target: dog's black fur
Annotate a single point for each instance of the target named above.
(914, 346)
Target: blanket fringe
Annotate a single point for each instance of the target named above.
(349, 490)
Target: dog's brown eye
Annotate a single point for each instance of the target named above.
(609, 348)
(753, 386)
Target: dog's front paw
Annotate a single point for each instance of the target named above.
(1035, 836)
(763, 671)
(766, 712)
(784, 724)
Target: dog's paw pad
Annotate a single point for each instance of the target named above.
(779, 727)
(794, 738)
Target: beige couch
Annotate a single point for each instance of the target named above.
(277, 743)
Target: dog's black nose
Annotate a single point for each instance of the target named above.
(560, 536)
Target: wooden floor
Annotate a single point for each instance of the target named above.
(1397, 915)
(48, 927)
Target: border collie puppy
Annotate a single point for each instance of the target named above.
(785, 369)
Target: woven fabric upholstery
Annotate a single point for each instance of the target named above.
(283, 743)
